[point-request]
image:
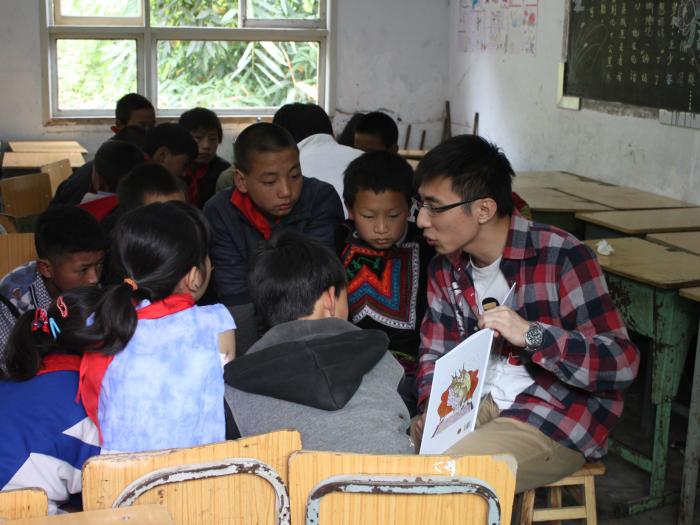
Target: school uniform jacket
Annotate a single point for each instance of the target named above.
(586, 357)
(316, 214)
(46, 435)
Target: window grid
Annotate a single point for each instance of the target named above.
(319, 31)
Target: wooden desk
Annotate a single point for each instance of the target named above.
(24, 160)
(43, 146)
(688, 241)
(416, 154)
(136, 515)
(639, 222)
(551, 206)
(544, 179)
(621, 197)
(691, 454)
(644, 279)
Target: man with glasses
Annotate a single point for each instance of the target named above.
(553, 391)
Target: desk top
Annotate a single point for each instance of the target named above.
(413, 153)
(688, 241)
(641, 222)
(649, 263)
(43, 146)
(136, 515)
(621, 197)
(13, 159)
(691, 293)
(544, 179)
(551, 200)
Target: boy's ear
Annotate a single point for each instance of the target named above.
(239, 179)
(394, 148)
(161, 154)
(329, 301)
(117, 127)
(45, 268)
(351, 215)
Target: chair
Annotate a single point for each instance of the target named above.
(23, 503)
(331, 488)
(139, 515)
(58, 172)
(584, 478)
(15, 249)
(195, 484)
(8, 223)
(26, 195)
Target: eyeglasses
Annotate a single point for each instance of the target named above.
(437, 210)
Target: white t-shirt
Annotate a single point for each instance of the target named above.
(504, 380)
(323, 158)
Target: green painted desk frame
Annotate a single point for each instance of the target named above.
(669, 321)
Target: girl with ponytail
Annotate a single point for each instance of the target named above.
(156, 379)
(46, 434)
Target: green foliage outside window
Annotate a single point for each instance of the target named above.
(216, 74)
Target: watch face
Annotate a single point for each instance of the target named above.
(533, 337)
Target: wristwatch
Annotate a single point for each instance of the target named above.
(533, 336)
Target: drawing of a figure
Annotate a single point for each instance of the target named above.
(456, 400)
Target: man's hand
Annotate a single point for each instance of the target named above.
(417, 424)
(506, 323)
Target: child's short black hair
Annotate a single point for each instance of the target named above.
(129, 103)
(201, 118)
(378, 171)
(347, 136)
(381, 125)
(132, 134)
(303, 120)
(144, 180)
(174, 137)
(64, 230)
(114, 159)
(289, 273)
(476, 168)
(262, 137)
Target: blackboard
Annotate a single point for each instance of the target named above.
(639, 52)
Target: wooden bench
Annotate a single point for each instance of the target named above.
(583, 477)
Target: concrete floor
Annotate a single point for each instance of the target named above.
(624, 482)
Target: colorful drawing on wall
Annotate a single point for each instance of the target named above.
(508, 26)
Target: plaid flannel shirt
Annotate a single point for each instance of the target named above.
(586, 357)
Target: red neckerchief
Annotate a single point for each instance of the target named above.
(100, 208)
(193, 178)
(94, 364)
(243, 202)
(59, 362)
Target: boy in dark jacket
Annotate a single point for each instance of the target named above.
(313, 370)
(202, 174)
(270, 194)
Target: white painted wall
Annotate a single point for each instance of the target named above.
(516, 98)
(392, 54)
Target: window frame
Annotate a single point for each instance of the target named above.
(320, 31)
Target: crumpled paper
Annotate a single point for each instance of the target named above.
(604, 248)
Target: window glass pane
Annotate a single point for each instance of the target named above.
(115, 8)
(194, 13)
(227, 75)
(94, 74)
(299, 9)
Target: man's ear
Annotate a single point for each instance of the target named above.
(239, 179)
(45, 268)
(486, 209)
(161, 154)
